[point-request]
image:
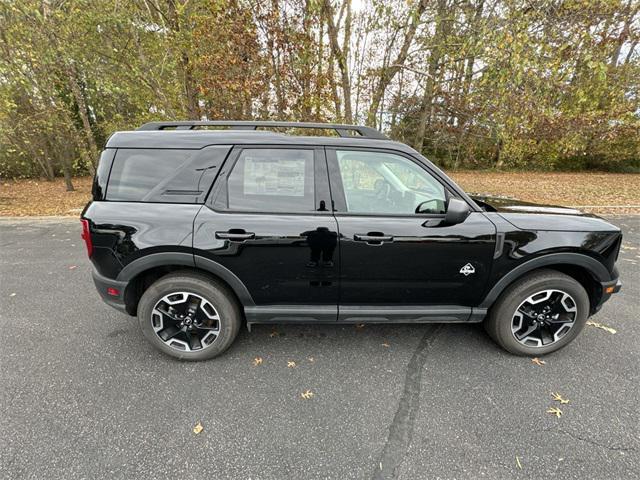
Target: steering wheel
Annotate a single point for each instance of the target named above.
(381, 189)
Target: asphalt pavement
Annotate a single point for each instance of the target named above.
(82, 395)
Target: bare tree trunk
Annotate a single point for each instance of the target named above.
(63, 153)
(305, 81)
(272, 27)
(387, 74)
(319, 77)
(440, 36)
(633, 46)
(341, 52)
(396, 103)
(190, 89)
(74, 85)
(185, 67)
(498, 161)
(45, 163)
(468, 74)
(66, 172)
(624, 33)
(48, 168)
(334, 92)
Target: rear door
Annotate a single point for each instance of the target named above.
(397, 264)
(268, 221)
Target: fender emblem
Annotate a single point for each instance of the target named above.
(467, 270)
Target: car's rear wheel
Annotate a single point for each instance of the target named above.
(539, 313)
(189, 316)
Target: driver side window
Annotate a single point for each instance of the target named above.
(385, 183)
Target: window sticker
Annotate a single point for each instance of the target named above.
(265, 176)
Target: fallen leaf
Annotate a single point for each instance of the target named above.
(555, 411)
(311, 359)
(291, 364)
(558, 398)
(538, 362)
(610, 330)
(274, 334)
(73, 267)
(518, 462)
(257, 361)
(360, 326)
(307, 394)
(385, 345)
(198, 428)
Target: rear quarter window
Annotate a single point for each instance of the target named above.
(137, 172)
(99, 186)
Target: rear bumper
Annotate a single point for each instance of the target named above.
(103, 284)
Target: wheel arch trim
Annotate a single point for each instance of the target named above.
(595, 268)
(140, 265)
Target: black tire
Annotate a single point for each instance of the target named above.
(214, 292)
(498, 323)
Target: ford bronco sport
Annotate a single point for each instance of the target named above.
(198, 226)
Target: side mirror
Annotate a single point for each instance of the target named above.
(457, 212)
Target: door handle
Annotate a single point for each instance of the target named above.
(235, 236)
(372, 237)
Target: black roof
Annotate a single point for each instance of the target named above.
(196, 139)
(252, 125)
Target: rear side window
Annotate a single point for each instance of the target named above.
(136, 172)
(99, 186)
(272, 180)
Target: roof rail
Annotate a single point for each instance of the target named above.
(341, 130)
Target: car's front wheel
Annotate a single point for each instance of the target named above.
(189, 316)
(539, 313)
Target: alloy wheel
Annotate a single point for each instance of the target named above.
(185, 321)
(544, 318)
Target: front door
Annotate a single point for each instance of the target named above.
(268, 221)
(396, 264)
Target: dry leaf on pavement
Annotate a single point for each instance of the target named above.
(274, 334)
(257, 361)
(198, 428)
(558, 398)
(385, 345)
(307, 394)
(610, 330)
(555, 411)
(291, 364)
(538, 362)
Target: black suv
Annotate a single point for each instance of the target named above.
(197, 227)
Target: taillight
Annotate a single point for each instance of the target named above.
(86, 236)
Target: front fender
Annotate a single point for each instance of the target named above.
(593, 266)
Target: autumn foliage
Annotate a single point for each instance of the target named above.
(526, 84)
